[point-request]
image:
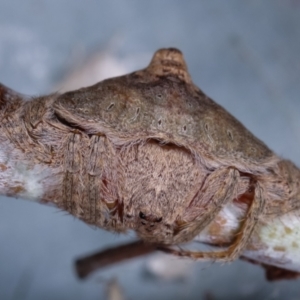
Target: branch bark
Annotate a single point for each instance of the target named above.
(275, 241)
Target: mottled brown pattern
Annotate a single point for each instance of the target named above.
(149, 151)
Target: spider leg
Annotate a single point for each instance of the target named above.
(71, 182)
(232, 252)
(219, 188)
(286, 186)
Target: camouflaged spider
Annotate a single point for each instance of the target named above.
(150, 152)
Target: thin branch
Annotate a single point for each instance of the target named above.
(88, 264)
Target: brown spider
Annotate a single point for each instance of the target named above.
(150, 152)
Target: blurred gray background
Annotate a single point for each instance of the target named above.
(244, 54)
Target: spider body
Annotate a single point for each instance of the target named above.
(150, 152)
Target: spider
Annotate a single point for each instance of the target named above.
(150, 152)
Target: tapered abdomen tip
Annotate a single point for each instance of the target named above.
(169, 62)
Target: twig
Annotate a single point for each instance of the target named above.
(86, 265)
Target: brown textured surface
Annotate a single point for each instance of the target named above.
(149, 151)
(244, 54)
(162, 102)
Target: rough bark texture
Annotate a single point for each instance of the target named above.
(150, 152)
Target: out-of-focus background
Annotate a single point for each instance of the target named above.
(244, 54)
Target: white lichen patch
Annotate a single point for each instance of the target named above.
(280, 239)
(21, 179)
(276, 241)
(223, 226)
(32, 181)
